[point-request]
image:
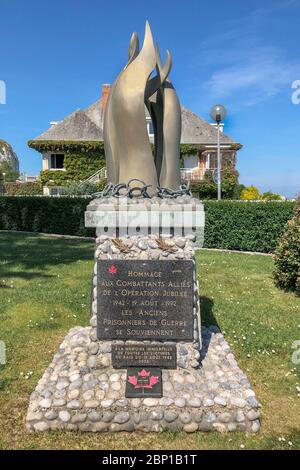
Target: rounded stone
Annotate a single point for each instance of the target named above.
(237, 401)
(41, 426)
(220, 400)
(150, 402)
(165, 401)
(79, 418)
(225, 417)
(207, 402)
(64, 416)
(255, 425)
(136, 402)
(190, 379)
(92, 362)
(185, 418)
(180, 402)
(92, 403)
(106, 403)
(74, 377)
(73, 394)
(178, 378)
(253, 415)
(59, 402)
(190, 427)
(94, 416)
(74, 405)
(116, 386)
(220, 427)
(88, 395)
(170, 416)
(51, 414)
(239, 416)
(45, 403)
(107, 416)
(157, 415)
(61, 384)
(121, 417)
(114, 378)
(195, 402)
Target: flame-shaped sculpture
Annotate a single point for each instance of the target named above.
(127, 148)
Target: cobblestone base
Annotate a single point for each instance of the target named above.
(79, 392)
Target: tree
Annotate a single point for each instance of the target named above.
(10, 174)
(269, 196)
(250, 193)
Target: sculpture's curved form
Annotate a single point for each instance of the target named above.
(127, 146)
(126, 141)
(169, 176)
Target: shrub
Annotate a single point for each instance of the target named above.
(246, 226)
(61, 215)
(23, 189)
(287, 256)
(207, 188)
(269, 196)
(250, 193)
(235, 225)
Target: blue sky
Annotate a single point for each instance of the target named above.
(56, 54)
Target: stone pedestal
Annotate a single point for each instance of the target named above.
(81, 390)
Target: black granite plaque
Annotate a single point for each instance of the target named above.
(145, 300)
(143, 382)
(156, 355)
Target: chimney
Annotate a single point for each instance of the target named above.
(105, 92)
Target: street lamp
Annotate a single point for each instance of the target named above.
(218, 114)
(4, 178)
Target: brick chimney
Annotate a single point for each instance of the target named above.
(105, 92)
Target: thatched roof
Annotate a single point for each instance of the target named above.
(87, 125)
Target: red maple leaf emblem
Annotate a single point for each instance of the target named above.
(143, 374)
(112, 269)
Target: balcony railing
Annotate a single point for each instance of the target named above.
(194, 174)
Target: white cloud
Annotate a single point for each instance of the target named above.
(242, 66)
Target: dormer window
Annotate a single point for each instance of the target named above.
(57, 161)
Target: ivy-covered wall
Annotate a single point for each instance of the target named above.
(82, 159)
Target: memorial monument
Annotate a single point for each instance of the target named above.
(145, 363)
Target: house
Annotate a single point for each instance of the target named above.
(72, 149)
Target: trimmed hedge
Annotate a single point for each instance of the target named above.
(61, 215)
(235, 225)
(245, 226)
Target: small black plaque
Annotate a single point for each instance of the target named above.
(143, 383)
(156, 355)
(144, 300)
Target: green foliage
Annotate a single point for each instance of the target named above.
(250, 193)
(82, 159)
(61, 215)
(207, 188)
(287, 256)
(269, 196)
(236, 225)
(23, 189)
(10, 174)
(245, 226)
(81, 189)
(67, 146)
(189, 149)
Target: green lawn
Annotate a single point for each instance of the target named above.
(45, 290)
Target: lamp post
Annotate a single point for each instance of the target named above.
(4, 178)
(218, 114)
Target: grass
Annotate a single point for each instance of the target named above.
(45, 290)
